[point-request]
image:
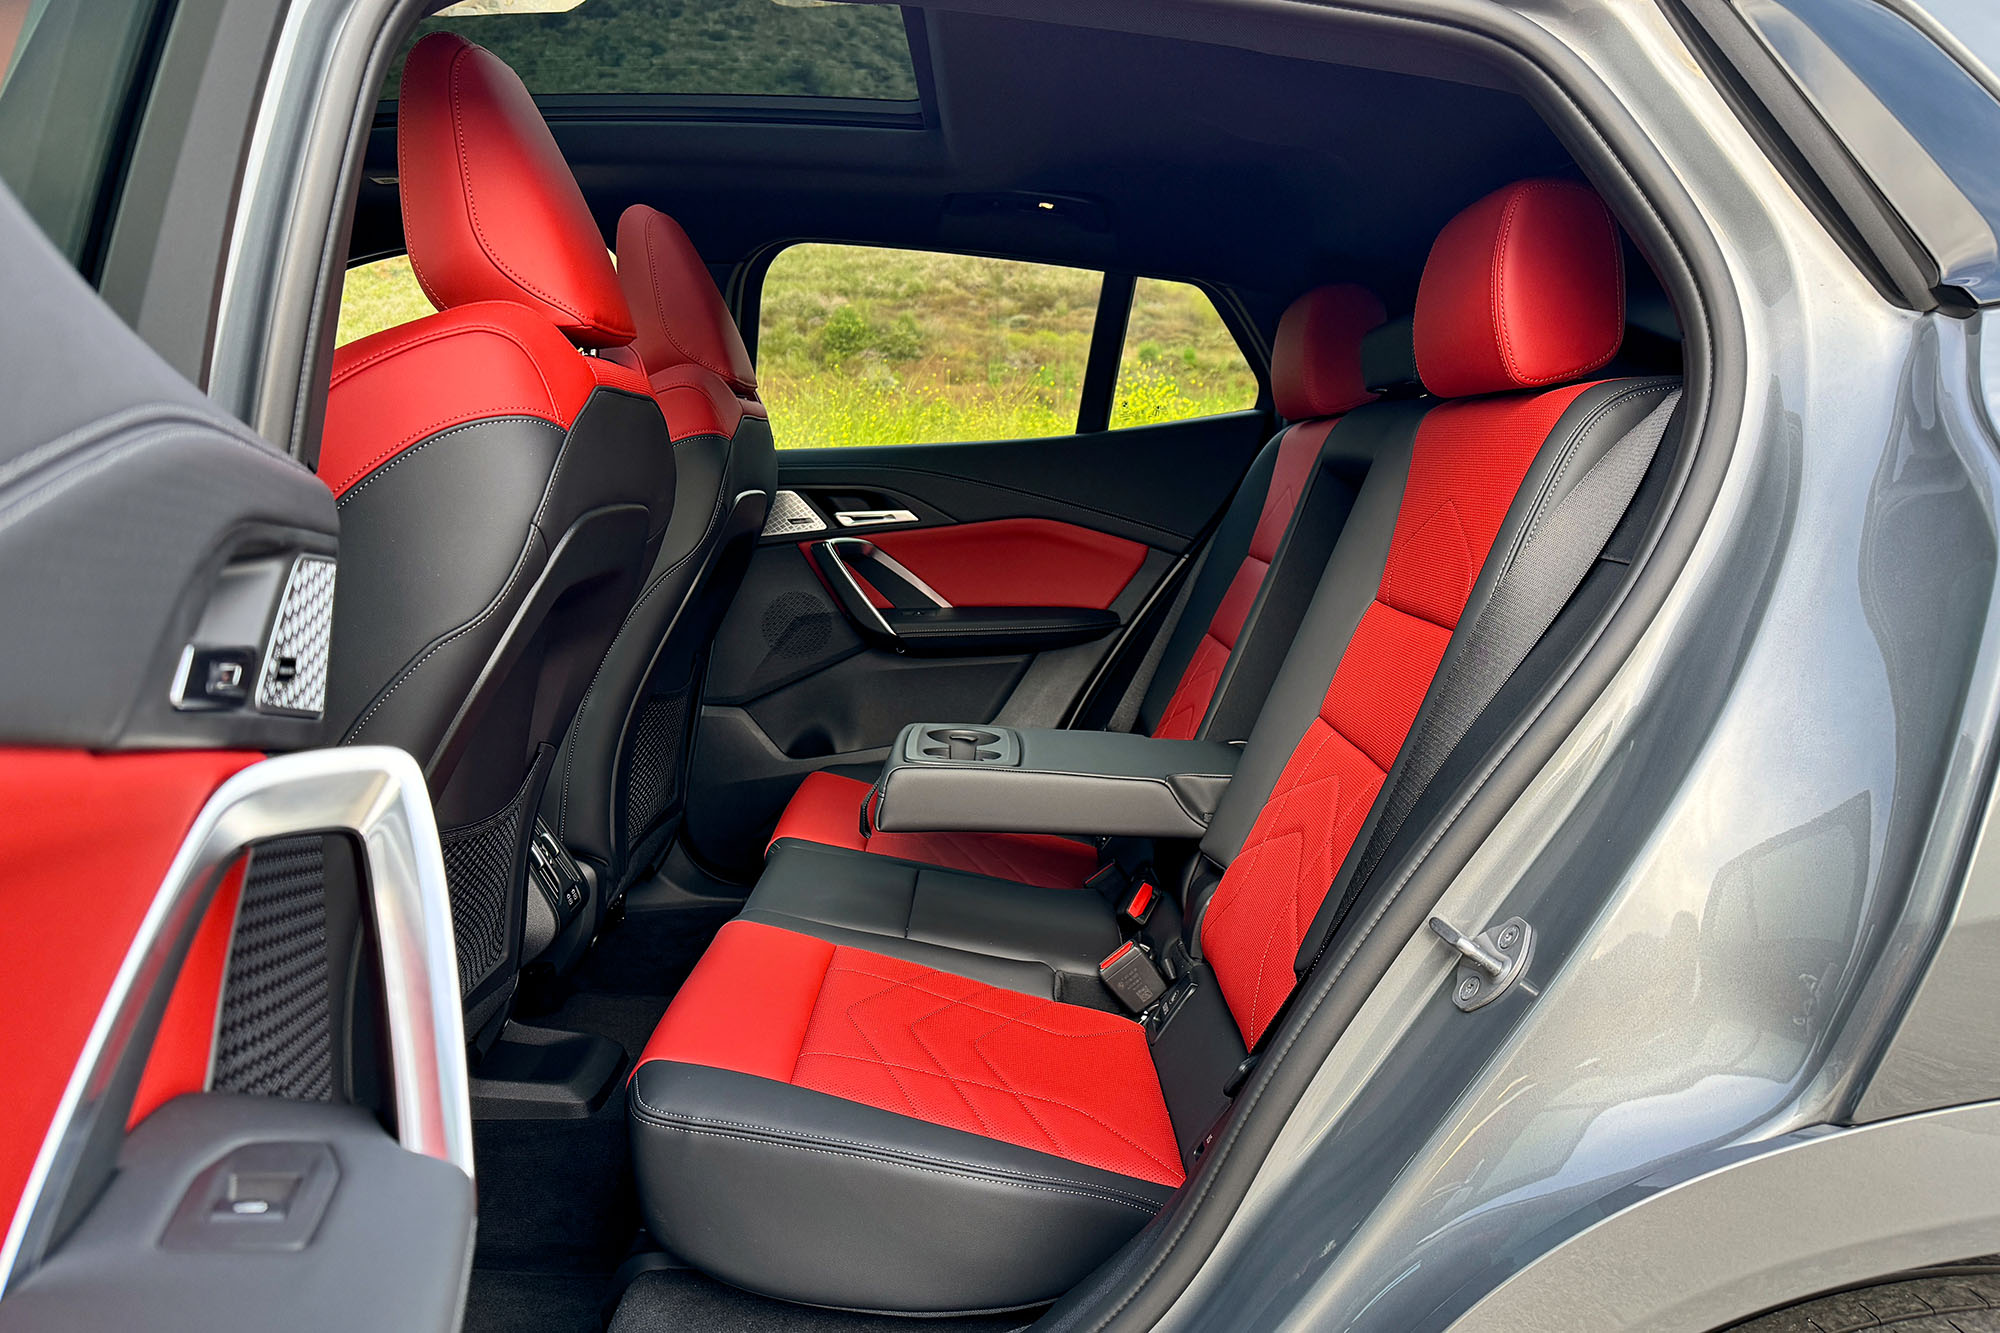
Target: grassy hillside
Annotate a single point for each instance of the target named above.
(729, 47)
(863, 346)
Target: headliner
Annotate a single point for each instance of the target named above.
(1255, 172)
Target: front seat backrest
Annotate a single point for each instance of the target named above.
(620, 784)
(501, 489)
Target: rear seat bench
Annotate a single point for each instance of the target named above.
(890, 1086)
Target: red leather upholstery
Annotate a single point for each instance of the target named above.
(1076, 1083)
(687, 340)
(1017, 562)
(490, 210)
(1316, 357)
(408, 383)
(1523, 289)
(184, 1050)
(74, 820)
(889, 1031)
(1469, 463)
(1189, 704)
(826, 809)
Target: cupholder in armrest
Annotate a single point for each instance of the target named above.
(959, 743)
(962, 744)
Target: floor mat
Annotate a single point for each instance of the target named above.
(680, 1299)
(533, 1303)
(653, 949)
(557, 1209)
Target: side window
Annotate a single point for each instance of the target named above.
(69, 79)
(1180, 360)
(377, 296)
(858, 345)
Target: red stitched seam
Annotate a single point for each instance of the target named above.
(472, 208)
(424, 433)
(1617, 327)
(660, 306)
(825, 967)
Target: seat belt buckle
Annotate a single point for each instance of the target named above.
(1109, 881)
(1131, 974)
(1139, 902)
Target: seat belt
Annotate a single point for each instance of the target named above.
(1528, 594)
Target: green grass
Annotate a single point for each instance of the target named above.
(717, 47)
(379, 296)
(872, 347)
(862, 346)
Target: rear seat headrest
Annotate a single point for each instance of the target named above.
(1316, 358)
(680, 315)
(1525, 288)
(490, 209)
(1389, 359)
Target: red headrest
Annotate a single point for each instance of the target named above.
(490, 209)
(681, 318)
(1316, 360)
(1524, 288)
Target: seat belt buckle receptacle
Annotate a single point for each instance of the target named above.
(1131, 974)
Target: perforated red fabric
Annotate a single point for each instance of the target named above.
(1468, 463)
(1052, 1077)
(1297, 453)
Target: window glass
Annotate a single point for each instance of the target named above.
(68, 71)
(379, 296)
(1180, 360)
(724, 48)
(858, 345)
(1917, 121)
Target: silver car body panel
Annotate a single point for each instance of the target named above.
(1738, 864)
(1740, 861)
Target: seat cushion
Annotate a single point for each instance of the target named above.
(827, 810)
(824, 1123)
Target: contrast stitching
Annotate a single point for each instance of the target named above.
(472, 211)
(499, 600)
(569, 757)
(383, 463)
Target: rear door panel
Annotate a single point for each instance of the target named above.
(795, 684)
(167, 579)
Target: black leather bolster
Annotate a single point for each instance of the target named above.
(809, 1197)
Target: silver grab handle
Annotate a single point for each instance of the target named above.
(375, 793)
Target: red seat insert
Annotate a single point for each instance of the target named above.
(1076, 1083)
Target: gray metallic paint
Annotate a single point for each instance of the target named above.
(1738, 860)
(1735, 862)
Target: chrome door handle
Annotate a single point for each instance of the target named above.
(872, 518)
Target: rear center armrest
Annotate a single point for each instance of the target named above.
(978, 778)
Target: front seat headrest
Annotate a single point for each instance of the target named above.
(490, 209)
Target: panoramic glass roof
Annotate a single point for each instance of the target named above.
(712, 48)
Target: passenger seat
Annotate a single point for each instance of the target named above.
(1222, 653)
(621, 779)
(501, 490)
(864, 1119)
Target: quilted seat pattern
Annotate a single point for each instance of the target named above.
(1032, 1072)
